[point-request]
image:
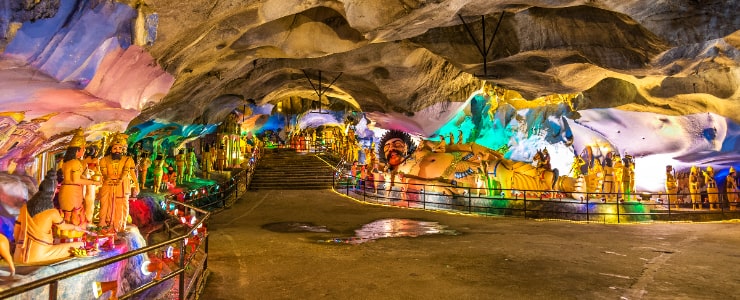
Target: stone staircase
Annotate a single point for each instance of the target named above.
(286, 169)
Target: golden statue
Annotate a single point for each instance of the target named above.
(144, 163)
(158, 173)
(731, 188)
(712, 191)
(120, 183)
(71, 192)
(180, 162)
(694, 187)
(34, 242)
(671, 185)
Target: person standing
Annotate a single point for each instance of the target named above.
(120, 183)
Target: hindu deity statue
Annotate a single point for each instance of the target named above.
(712, 191)
(671, 185)
(608, 186)
(180, 162)
(144, 163)
(34, 241)
(694, 187)
(628, 178)
(92, 172)
(618, 167)
(207, 164)
(120, 183)
(71, 192)
(731, 188)
(158, 172)
(191, 162)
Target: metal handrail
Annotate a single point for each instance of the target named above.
(421, 192)
(53, 280)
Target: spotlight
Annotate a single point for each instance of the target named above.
(152, 266)
(101, 287)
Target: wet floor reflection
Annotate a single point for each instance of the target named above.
(294, 227)
(390, 228)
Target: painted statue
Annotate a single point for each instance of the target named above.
(454, 171)
(694, 187)
(143, 167)
(180, 166)
(731, 188)
(207, 164)
(34, 242)
(5, 253)
(608, 188)
(191, 163)
(120, 183)
(628, 178)
(71, 192)
(671, 185)
(618, 167)
(92, 172)
(396, 147)
(158, 173)
(712, 190)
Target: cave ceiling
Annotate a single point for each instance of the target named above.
(395, 56)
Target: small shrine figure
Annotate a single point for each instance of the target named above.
(694, 188)
(158, 173)
(608, 186)
(618, 168)
(221, 158)
(120, 183)
(731, 188)
(628, 178)
(144, 163)
(34, 241)
(191, 164)
(180, 162)
(92, 172)
(207, 164)
(712, 191)
(71, 192)
(671, 185)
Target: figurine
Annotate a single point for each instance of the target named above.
(158, 173)
(671, 185)
(694, 187)
(207, 163)
(180, 162)
(712, 191)
(92, 172)
(34, 242)
(71, 196)
(731, 188)
(120, 183)
(144, 164)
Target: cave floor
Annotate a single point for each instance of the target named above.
(489, 258)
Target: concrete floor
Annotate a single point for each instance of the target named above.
(491, 258)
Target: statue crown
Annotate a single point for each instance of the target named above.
(78, 139)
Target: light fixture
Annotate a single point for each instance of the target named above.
(152, 266)
(102, 287)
